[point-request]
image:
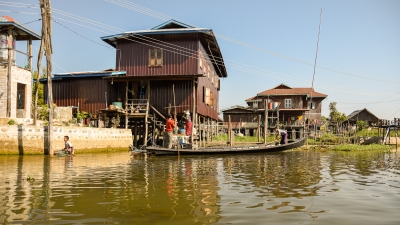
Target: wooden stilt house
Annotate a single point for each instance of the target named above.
(171, 68)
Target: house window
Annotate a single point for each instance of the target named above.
(255, 105)
(206, 97)
(288, 103)
(311, 105)
(155, 57)
(211, 98)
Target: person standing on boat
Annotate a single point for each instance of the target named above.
(283, 134)
(68, 146)
(169, 127)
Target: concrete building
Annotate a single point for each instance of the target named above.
(15, 81)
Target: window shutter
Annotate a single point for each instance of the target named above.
(206, 92)
(211, 98)
(159, 60)
(152, 57)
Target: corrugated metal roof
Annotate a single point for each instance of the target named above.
(113, 38)
(75, 75)
(22, 31)
(291, 91)
(172, 23)
(356, 112)
(174, 27)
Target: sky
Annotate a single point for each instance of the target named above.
(264, 43)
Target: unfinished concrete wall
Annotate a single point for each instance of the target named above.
(19, 139)
(21, 76)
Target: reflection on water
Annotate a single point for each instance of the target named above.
(294, 187)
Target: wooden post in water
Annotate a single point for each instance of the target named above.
(265, 121)
(126, 105)
(229, 131)
(259, 128)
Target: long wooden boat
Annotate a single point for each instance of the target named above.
(228, 150)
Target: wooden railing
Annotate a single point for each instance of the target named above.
(137, 106)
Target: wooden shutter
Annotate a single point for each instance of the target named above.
(152, 57)
(159, 59)
(206, 92)
(211, 98)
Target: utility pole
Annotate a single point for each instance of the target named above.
(47, 46)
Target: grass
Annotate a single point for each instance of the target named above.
(355, 147)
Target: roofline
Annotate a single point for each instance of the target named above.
(150, 32)
(172, 21)
(58, 76)
(324, 96)
(25, 29)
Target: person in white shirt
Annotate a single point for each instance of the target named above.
(283, 134)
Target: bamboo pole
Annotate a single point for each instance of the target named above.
(259, 128)
(265, 121)
(9, 81)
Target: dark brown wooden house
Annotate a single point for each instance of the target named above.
(289, 107)
(362, 115)
(170, 68)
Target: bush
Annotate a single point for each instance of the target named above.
(11, 122)
(360, 125)
(43, 112)
(81, 115)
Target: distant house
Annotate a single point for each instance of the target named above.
(289, 107)
(294, 105)
(15, 81)
(362, 115)
(171, 68)
(243, 120)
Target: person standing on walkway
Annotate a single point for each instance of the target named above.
(169, 127)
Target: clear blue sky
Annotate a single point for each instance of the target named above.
(264, 43)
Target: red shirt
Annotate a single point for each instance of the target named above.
(169, 126)
(188, 127)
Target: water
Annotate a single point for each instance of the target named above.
(294, 187)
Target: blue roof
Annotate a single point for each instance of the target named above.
(75, 75)
(22, 33)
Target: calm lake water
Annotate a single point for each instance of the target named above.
(294, 187)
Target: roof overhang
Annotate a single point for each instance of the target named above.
(87, 74)
(206, 34)
(20, 32)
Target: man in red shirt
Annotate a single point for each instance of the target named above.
(169, 127)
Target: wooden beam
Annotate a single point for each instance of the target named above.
(9, 77)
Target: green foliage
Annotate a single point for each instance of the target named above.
(81, 115)
(335, 115)
(40, 90)
(11, 122)
(43, 112)
(360, 125)
(353, 147)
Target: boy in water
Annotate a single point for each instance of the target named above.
(68, 146)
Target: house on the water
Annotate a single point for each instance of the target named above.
(171, 68)
(15, 81)
(290, 108)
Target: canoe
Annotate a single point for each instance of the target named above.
(227, 150)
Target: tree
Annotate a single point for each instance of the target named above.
(38, 88)
(360, 125)
(335, 115)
